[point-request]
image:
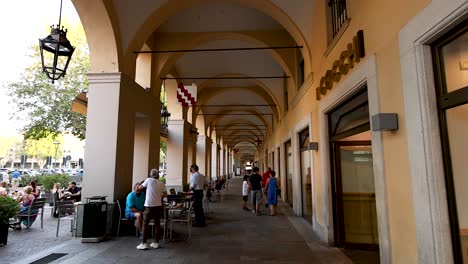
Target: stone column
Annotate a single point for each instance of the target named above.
(109, 138)
(214, 159)
(111, 132)
(202, 154)
(141, 149)
(209, 143)
(177, 154)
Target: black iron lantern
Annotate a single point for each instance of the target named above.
(56, 51)
(164, 117)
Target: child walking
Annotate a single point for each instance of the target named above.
(245, 193)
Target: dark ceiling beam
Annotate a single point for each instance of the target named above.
(225, 78)
(241, 129)
(242, 105)
(258, 114)
(219, 49)
(238, 125)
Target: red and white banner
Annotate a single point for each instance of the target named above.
(186, 95)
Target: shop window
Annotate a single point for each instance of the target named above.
(450, 55)
(337, 15)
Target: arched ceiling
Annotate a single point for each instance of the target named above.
(224, 104)
(200, 19)
(211, 24)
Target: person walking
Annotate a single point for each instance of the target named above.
(155, 191)
(255, 184)
(15, 180)
(197, 184)
(265, 177)
(271, 192)
(245, 193)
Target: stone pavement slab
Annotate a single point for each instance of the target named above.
(231, 236)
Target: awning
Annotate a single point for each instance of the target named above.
(80, 104)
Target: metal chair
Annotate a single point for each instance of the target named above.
(35, 209)
(122, 218)
(66, 211)
(185, 217)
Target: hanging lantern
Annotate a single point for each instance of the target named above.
(164, 117)
(56, 51)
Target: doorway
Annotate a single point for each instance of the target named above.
(449, 53)
(306, 178)
(289, 173)
(353, 194)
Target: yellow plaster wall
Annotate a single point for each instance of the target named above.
(381, 21)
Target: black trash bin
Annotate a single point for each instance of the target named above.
(94, 219)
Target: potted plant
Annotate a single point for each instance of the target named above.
(8, 209)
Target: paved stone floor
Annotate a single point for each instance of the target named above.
(231, 236)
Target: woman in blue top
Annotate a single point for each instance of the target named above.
(270, 190)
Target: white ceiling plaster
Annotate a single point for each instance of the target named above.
(249, 63)
(300, 12)
(219, 17)
(132, 14)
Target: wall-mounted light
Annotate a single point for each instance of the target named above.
(313, 145)
(385, 122)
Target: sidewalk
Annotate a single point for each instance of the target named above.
(231, 236)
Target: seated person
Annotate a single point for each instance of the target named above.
(57, 193)
(135, 206)
(27, 200)
(219, 184)
(3, 190)
(35, 188)
(73, 192)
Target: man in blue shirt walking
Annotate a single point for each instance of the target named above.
(15, 180)
(135, 206)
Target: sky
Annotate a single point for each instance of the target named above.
(23, 22)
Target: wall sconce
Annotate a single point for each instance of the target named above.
(313, 145)
(385, 122)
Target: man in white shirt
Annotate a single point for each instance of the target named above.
(197, 184)
(155, 191)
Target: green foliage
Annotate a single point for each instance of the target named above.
(49, 180)
(162, 179)
(26, 179)
(8, 209)
(46, 107)
(162, 151)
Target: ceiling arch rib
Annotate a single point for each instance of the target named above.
(225, 98)
(190, 41)
(248, 115)
(104, 41)
(153, 17)
(234, 123)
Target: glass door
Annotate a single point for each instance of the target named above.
(306, 178)
(289, 173)
(357, 215)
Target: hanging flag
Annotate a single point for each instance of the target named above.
(186, 95)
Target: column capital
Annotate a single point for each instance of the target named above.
(104, 77)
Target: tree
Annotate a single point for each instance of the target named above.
(46, 107)
(162, 151)
(41, 148)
